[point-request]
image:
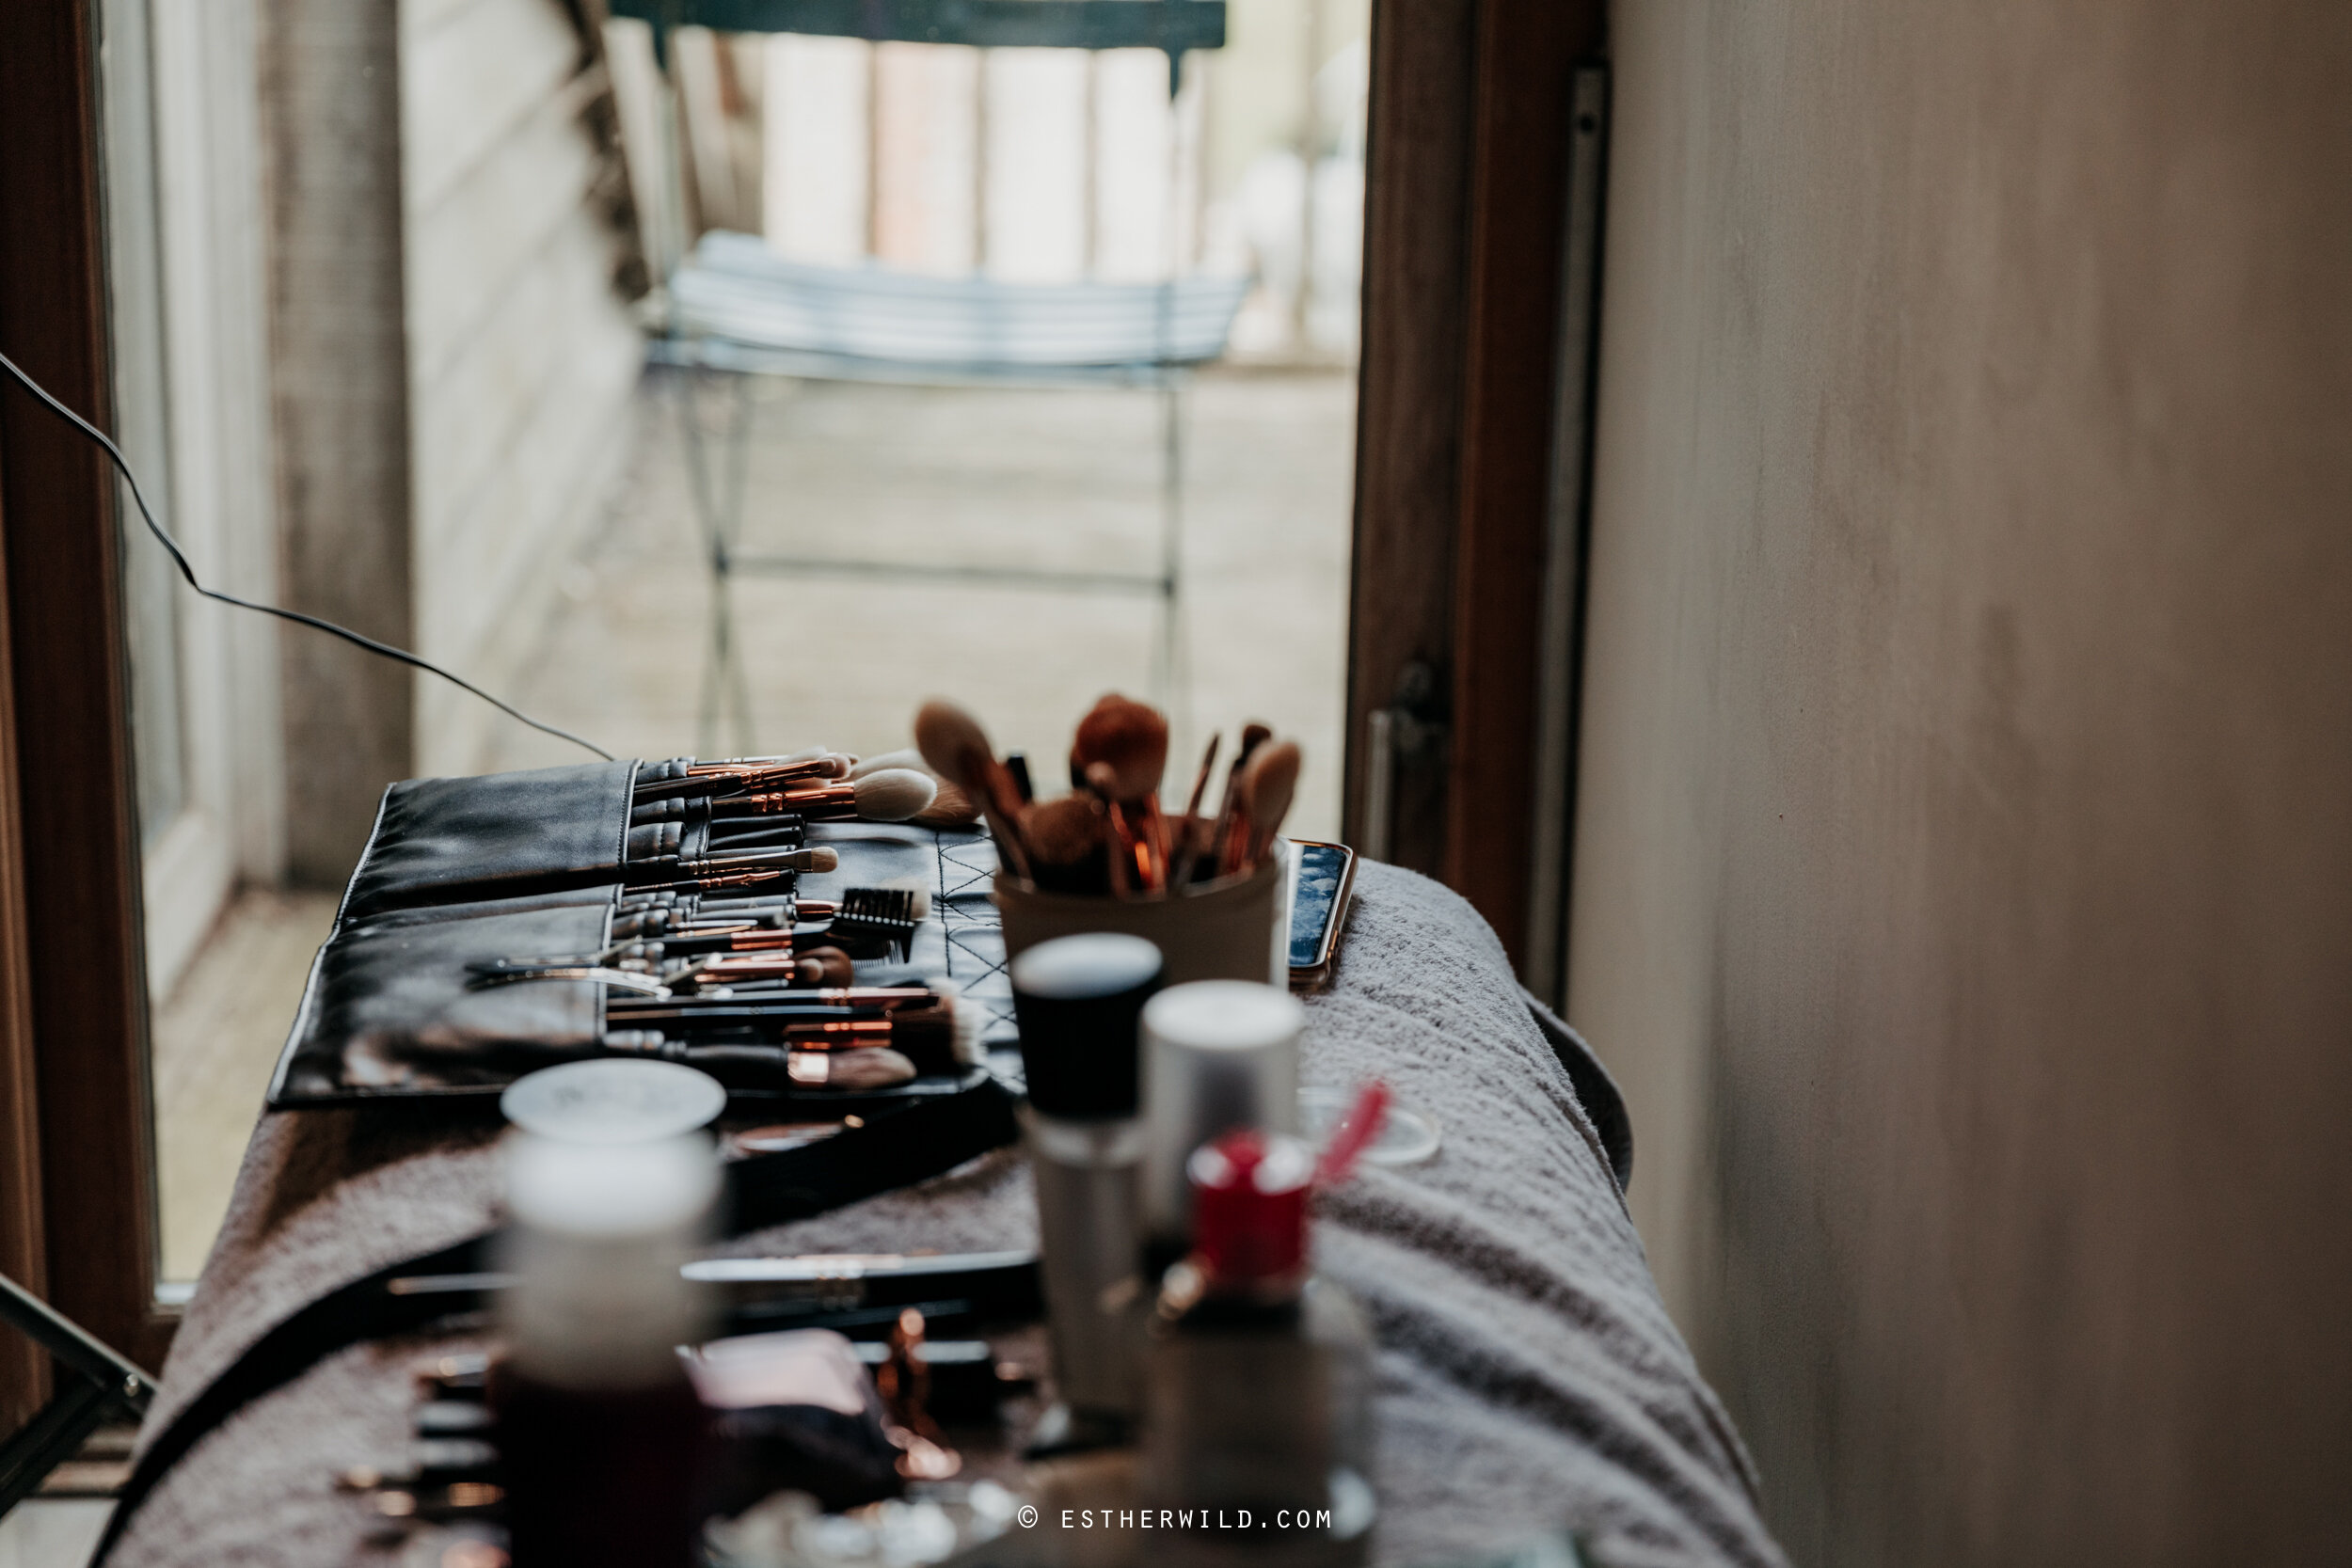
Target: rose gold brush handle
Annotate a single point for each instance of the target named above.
(1179, 862)
(1124, 860)
(1000, 804)
(759, 775)
(1221, 846)
(822, 803)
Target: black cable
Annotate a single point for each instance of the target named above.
(382, 649)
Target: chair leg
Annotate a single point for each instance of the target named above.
(49, 1439)
(95, 1382)
(1167, 663)
(717, 501)
(738, 452)
(717, 658)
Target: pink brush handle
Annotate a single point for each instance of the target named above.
(1354, 1135)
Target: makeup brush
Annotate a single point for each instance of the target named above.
(925, 1038)
(691, 879)
(1065, 839)
(760, 1066)
(957, 749)
(737, 778)
(817, 1004)
(1232, 849)
(821, 858)
(871, 1068)
(951, 808)
(803, 972)
(802, 1015)
(1273, 780)
(757, 832)
(1130, 739)
(780, 758)
(1252, 736)
(1188, 826)
(823, 966)
(836, 764)
(1121, 840)
(906, 756)
(892, 795)
(970, 1022)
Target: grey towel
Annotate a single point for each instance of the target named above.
(1530, 1378)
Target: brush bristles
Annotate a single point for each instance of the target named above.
(1129, 737)
(918, 896)
(969, 1021)
(1273, 780)
(824, 966)
(951, 742)
(1063, 831)
(894, 794)
(905, 757)
(901, 898)
(951, 808)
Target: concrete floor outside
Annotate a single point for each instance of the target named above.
(1064, 478)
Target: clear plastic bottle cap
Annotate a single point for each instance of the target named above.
(613, 1101)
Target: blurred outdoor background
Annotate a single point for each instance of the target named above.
(401, 375)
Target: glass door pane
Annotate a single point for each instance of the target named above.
(226, 947)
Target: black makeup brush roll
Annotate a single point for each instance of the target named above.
(428, 986)
(498, 835)
(409, 1003)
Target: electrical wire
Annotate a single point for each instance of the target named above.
(384, 650)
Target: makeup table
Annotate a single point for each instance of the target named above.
(1529, 1378)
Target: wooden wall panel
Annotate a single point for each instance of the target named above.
(1528, 51)
(1409, 410)
(24, 1370)
(1465, 212)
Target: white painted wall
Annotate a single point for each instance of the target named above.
(521, 354)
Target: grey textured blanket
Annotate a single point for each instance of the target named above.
(1529, 1379)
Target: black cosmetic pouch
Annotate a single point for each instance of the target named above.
(395, 1007)
(498, 835)
(390, 1007)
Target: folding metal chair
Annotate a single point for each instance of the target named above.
(102, 1385)
(738, 310)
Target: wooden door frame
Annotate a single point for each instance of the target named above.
(69, 807)
(1466, 209)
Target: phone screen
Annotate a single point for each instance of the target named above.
(1322, 867)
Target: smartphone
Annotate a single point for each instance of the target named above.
(1323, 879)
